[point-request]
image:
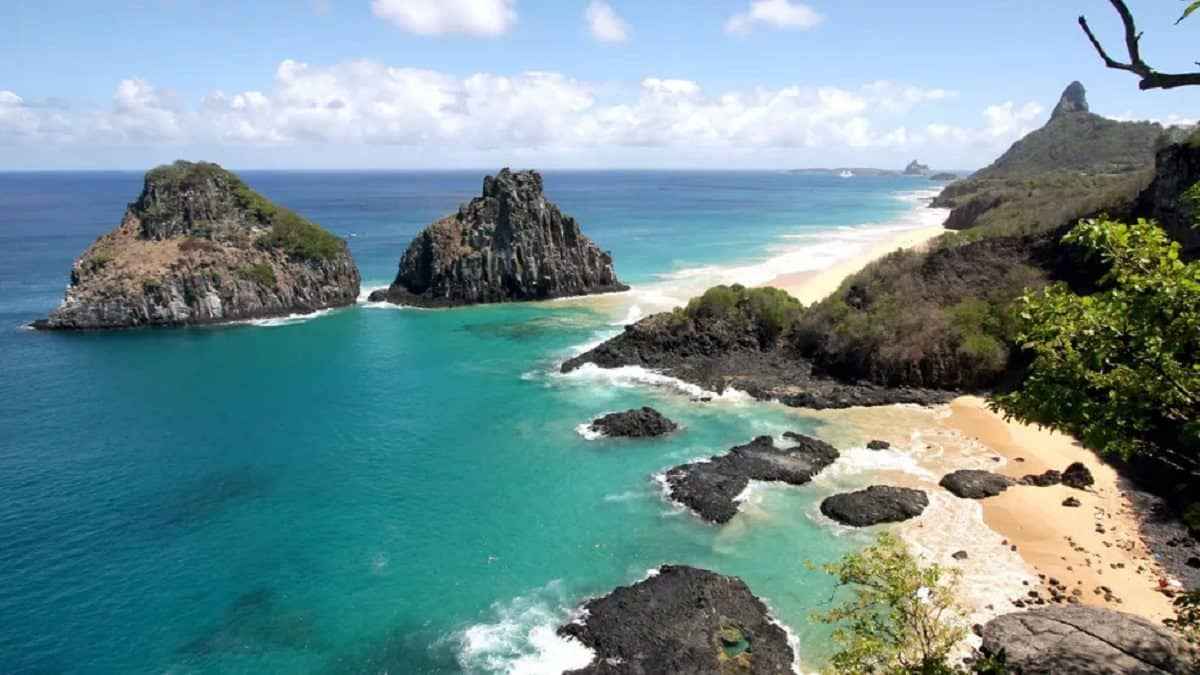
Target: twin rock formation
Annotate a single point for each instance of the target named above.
(508, 244)
(199, 246)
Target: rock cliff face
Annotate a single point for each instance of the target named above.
(916, 168)
(199, 246)
(681, 620)
(509, 244)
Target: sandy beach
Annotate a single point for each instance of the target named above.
(811, 286)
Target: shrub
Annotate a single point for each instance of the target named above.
(900, 617)
(300, 238)
(196, 244)
(768, 312)
(260, 273)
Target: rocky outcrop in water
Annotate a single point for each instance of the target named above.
(639, 423)
(717, 355)
(681, 620)
(508, 244)
(710, 487)
(916, 168)
(1086, 641)
(199, 246)
(975, 484)
(874, 505)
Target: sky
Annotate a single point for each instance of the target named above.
(559, 84)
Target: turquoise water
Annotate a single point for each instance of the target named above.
(378, 489)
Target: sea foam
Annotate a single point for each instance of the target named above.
(523, 638)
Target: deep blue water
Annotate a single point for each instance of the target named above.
(375, 489)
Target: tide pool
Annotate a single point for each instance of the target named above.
(377, 488)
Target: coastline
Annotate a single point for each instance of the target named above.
(815, 285)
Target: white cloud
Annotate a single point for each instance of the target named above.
(604, 22)
(534, 114)
(439, 17)
(1171, 120)
(776, 14)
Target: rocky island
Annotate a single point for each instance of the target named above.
(508, 244)
(644, 422)
(874, 505)
(198, 247)
(681, 620)
(711, 487)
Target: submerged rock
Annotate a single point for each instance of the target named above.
(681, 620)
(874, 505)
(199, 246)
(1077, 476)
(710, 487)
(638, 423)
(975, 484)
(508, 244)
(1078, 640)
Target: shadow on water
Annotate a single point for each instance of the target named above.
(401, 650)
(256, 622)
(564, 319)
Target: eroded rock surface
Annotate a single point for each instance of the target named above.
(710, 487)
(638, 423)
(509, 244)
(1086, 641)
(681, 620)
(874, 505)
(975, 484)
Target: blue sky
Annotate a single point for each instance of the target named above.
(479, 83)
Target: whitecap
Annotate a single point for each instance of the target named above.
(588, 433)
(632, 315)
(289, 320)
(523, 638)
(637, 376)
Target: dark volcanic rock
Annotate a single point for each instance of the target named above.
(640, 423)
(874, 505)
(878, 445)
(199, 246)
(1079, 640)
(718, 355)
(1071, 502)
(975, 484)
(916, 168)
(1077, 476)
(509, 244)
(1046, 479)
(681, 620)
(1073, 100)
(710, 487)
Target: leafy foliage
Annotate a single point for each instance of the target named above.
(769, 312)
(1188, 11)
(299, 238)
(1187, 616)
(260, 273)
(1120, 369)
(901, 617)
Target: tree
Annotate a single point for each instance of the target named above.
(1150, 78)
(901, 617)
(1118, 369)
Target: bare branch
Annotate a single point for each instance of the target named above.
(1150, 78)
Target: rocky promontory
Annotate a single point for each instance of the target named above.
(874, 505)
(681, 620)
(645, 422)
(711, 487)
(508, 244)
(1085, 641)
(199, 246)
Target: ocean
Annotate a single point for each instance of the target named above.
(381, 489)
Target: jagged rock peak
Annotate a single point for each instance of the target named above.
(916, 168)
(508, 244)
(1073, 100)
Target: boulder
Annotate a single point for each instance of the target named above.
(508, 244)
(874, 505)
(681, 620)
(1045, 479)
(1071, 502)
(975, 484)
(1079, 640)
(198, 246)
(711, 487)
(878, 445)
(638, 423)
(1077, 476)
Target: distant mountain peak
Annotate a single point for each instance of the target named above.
(1073, 100)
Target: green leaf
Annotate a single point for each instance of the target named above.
(1190, 8)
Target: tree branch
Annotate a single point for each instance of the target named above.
(1150, 78)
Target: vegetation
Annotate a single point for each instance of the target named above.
(769, 312)
(260, 273)
(194, 244)
(1119, 369)
(1187, 616)
(901, 617)
(300, 238)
